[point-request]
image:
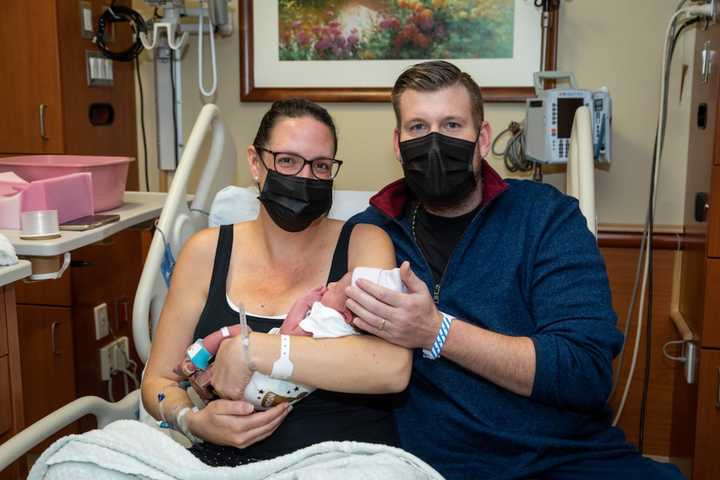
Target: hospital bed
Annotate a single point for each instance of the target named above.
(180, 218)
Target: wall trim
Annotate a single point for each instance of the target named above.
(631, 239)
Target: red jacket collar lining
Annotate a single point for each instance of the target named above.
(391, 199)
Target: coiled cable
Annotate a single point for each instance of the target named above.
(116, 14)
(514, 152)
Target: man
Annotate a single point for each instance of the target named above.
(507, 297)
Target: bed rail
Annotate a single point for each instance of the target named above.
(178, 220)
(105, 412)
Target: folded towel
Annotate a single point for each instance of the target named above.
(7, 252)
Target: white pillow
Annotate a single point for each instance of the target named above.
(239, 204)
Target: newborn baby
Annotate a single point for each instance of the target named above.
(320, 313)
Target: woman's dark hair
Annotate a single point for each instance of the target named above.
(293, 108)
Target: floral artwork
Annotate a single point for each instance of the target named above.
(395, 29)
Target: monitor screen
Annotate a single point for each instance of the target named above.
(566, 114)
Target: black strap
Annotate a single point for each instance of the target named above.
(221, 265)
(339, 265)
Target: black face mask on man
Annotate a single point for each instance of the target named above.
(439, 169)
(295, 202)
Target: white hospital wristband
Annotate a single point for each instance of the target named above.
(283, 367)
(183, 426)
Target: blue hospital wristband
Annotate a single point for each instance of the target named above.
(199, 355)
(434, 352)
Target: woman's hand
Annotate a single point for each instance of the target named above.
(231, 373)
(232, 422)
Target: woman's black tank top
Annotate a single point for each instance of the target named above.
(323, 415)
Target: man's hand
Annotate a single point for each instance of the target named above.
(228, 422)
(407, 319)
(230, 373)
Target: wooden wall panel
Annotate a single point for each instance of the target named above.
(81, 137)
(621, 264)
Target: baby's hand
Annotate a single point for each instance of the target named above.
(185, 368)
(201, 382)
(299, 310)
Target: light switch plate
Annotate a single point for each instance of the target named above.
(97, 69)
(87, 28)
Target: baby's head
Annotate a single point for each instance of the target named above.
(335, 297)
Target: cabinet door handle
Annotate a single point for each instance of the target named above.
(53, 328)
(717, 393)
(43, 108)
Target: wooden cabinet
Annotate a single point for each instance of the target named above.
(44, 92)
(713, 237)
(30, 78)
(59, 352)
(11, 406)
(696, 407)
(47, 353)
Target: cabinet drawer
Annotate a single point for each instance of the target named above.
(713, 239)
(5, 399)
(48, 292)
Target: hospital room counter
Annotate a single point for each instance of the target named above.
(13, 273)
(137, 208)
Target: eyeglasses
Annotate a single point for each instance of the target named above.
(291, 164)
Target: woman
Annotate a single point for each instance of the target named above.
(266, 264)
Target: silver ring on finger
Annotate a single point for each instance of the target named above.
(382, 325)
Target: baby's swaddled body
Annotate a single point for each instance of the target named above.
(320, 313)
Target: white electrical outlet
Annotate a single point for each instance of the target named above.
(121, 354)
(112, 357)
(102, 322)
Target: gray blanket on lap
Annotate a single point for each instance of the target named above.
(129, 449)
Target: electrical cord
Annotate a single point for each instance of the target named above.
(142, 123)
(174, 105)
(657, 152)
(211, 34)
(514, 152)
(117, 14)
(673, 357)
(638, 268)
(669, 46)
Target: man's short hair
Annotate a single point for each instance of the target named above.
(436, 75)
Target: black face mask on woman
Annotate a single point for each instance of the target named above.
(295, 202)
(439, 169)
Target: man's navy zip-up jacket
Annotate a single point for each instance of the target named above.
(527, 265)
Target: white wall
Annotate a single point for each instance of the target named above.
(615, 43)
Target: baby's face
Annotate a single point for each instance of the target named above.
(335, 297)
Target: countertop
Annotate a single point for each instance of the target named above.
(13, 273)
(137, 208)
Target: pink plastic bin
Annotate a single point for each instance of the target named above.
(109, 174)
(71, 195)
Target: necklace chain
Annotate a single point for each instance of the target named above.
(414, 219)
